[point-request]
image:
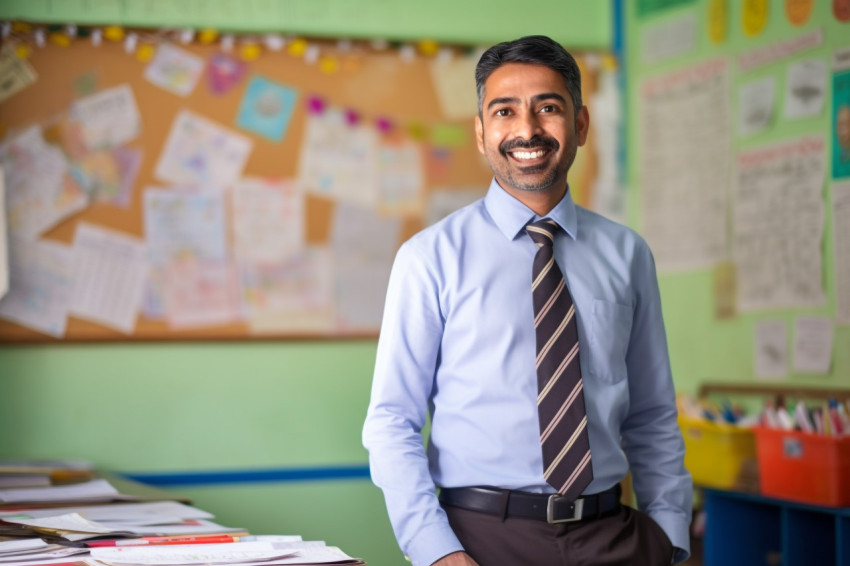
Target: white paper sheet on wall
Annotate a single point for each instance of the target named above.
(684, 154)
(756, 101)
(813, 337)
(805, 90)
(669, 39)
(110, 268)
(841, 250)
(778, 223)
(771, 349)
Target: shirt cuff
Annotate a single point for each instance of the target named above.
(677, 531)
(432, 543)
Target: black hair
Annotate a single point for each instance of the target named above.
(536, 50)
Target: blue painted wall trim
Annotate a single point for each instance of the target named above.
(199, 478)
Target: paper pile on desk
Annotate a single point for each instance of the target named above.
(243, 553)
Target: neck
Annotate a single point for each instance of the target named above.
(541, 202)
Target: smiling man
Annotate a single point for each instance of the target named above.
(529, 330)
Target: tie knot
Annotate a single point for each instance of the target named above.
(542, 232)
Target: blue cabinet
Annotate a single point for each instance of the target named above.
(751, 530)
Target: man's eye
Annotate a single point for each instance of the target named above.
(548, 108)
(503, 112)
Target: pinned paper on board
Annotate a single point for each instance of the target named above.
(450, 78)
(201, 154)
(339, 160)
(224, 72)
(292, 295)
(108, 118)
(109, 175)
(401, 177)
(266, 108)
(109, 277)
(15, 73)
(41, 281)
(40, 191)
(268, 219)
(179, 225)
(201, 293)
(175, 69)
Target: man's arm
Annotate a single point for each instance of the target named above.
(651, 436)
(406, 362)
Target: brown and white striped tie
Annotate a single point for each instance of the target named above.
(560, 398)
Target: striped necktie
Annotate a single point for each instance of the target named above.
(560, 399)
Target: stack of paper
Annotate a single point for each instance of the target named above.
(91, 523)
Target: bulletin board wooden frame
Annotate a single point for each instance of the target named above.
(376, 84)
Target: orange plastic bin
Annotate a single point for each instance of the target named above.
(804, 467)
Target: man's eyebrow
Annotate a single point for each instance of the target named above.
(534, 99)
(548, 96)
(502, 100)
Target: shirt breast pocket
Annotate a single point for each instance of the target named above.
(611, 327)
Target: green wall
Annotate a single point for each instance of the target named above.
(703, 348)
(580, 24)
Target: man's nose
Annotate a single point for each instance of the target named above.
(527, 125)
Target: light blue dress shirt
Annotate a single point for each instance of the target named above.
(457, 344)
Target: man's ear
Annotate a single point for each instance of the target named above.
(582, 125)
(479, 133)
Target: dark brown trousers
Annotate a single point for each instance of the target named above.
(624, 538)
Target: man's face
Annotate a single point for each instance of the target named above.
(528, 130)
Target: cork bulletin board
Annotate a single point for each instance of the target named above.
(401, 106)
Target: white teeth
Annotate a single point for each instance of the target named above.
(528, 154)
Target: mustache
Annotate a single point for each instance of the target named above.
(534, 142)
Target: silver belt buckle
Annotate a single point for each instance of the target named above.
(578, 507)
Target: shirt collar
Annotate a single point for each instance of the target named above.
(511, 216)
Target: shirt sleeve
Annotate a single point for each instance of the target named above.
(408, 351)
(650, 433)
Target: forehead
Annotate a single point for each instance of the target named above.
(524, 80)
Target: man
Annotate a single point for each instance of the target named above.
(464, 341)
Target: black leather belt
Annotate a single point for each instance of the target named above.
(552, 508)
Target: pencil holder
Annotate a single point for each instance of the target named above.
(718, 454)
(804, 467)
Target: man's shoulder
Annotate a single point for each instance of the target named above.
(595, 224)
(452, 226)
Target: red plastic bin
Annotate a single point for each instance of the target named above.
(804, 467)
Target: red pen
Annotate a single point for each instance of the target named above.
(163, 540)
